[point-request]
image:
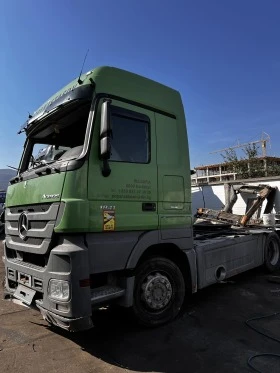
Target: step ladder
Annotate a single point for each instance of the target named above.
(105, 293)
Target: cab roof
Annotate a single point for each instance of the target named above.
(125, 84)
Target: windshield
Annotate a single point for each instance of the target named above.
(60, 137)
(43, 154)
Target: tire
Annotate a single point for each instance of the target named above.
(159, 292)
(272, 253)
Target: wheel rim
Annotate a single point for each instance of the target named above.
(156, 291)
(273, 253)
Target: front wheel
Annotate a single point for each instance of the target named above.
(272, 252)
(159, 291)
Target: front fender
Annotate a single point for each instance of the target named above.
(146, 240)
(153, 238)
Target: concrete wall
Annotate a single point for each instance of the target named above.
(214, 196)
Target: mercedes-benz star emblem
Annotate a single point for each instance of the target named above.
(23, 226)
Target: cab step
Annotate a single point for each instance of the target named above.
(105, 293)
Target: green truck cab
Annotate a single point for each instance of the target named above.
(100, 210)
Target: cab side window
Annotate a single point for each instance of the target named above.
(130, 136)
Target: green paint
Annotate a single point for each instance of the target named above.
(165, 180)
(75, 217)
(32, 191)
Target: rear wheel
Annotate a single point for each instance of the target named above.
(158, 292)
(272, 252)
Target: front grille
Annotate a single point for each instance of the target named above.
(31, 208)
(37, 230)
(28, 241)
(38, 224)
(32, 224)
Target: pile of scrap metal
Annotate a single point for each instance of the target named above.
(226, 216)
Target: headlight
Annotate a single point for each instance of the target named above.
(59, 290)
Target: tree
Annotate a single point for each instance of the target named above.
(251, 151)
(250, 166)
(256, 165)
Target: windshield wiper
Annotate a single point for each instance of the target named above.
(47, 169)
(13, 168)
(42, 162)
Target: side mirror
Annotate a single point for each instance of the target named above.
(105, 136)
(105, 131)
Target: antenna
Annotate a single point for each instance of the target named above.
(79, 80)
(14, 168)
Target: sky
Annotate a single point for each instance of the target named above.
(223, 56)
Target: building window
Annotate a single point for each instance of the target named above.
(130, 136)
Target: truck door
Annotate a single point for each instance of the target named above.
(126, 200)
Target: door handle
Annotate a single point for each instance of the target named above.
(149, 206)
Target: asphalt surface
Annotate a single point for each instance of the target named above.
(209, 336)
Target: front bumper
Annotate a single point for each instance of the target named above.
(66, 323)
(68, 261)
(69, 324)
